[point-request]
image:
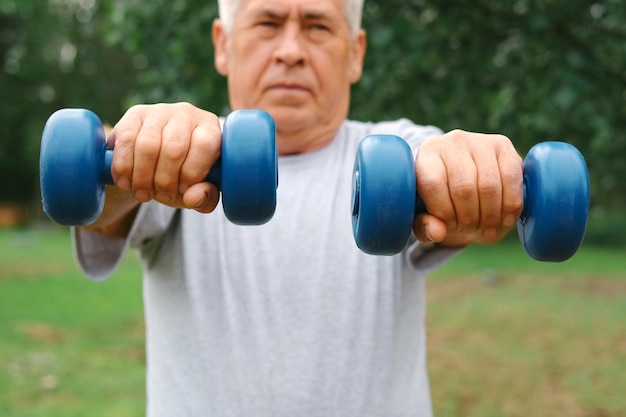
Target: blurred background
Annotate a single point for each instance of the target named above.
(534, 70)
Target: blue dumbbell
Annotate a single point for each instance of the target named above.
(75, 167)
(385, 201)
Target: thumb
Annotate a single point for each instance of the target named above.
(202, 197)
(428, 228)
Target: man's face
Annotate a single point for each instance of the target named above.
(295, 59)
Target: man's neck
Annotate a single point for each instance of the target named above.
(305, 140)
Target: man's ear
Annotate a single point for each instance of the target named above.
(359, 45)
(219, 43)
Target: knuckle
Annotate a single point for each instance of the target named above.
(125, 137)
(428, 188)
(158, 107)
(446, 215)
(490, 218)
(462, 189)
(138, 107)
(192, 173)
(123, 159)
(506, 150)
(137, 110)
(143, 182)
(183, 106)
(208, 136)
(174, 150)
(515, 204)
(164, 180)
(466, 221)
(148, 149)
(122, 166)
(502, 139)
(457, 135)
(429, 183)
(512, 172)
(489, 188)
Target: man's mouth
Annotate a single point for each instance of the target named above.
(289, 88)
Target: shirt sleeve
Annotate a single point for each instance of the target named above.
(98, 256)
(412, 133)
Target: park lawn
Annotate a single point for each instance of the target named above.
(507, 336)
(68, 346)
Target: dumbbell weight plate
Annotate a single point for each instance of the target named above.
(71, 168)
(249, 167)
(383, 194)
(556, 201)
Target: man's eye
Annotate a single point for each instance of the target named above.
(320, 27)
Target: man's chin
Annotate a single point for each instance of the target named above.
(290, 119)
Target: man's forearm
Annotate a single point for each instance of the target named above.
(118, 214)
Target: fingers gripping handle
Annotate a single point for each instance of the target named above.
(214, 177)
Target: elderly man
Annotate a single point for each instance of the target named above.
(288, 318)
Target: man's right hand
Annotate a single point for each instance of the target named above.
(161, 152)
(164, 152)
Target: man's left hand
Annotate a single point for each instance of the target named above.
(471, 185)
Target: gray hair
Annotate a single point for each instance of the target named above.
(353, 10)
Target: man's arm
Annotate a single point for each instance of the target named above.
(117, 215)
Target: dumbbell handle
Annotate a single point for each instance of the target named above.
(214, 177)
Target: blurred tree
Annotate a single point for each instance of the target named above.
(172, 38)
(51, 56)
(534, 70)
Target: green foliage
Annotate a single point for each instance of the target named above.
(51, 56)
(533, 70)
(172, 40)
(606, 228)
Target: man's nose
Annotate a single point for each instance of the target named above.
(291, 50)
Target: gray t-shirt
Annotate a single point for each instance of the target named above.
(285, 319)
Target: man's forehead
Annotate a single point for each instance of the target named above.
(320, 8)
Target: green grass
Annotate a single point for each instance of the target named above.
(508, 257)
(69, 346)
(507, 336)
